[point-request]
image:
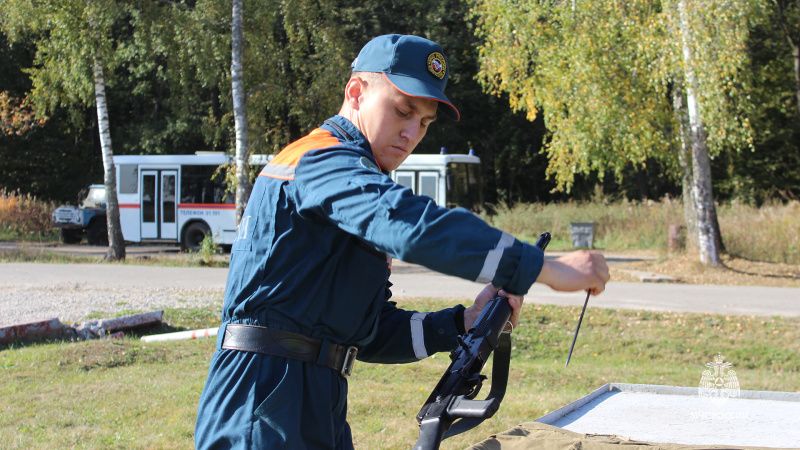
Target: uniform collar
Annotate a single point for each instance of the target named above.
(342, 128)
(345, 130)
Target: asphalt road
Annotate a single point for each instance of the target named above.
(741, 300)
(415, 281)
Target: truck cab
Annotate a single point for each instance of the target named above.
(89, 219)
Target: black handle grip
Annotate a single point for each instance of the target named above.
(543, 240)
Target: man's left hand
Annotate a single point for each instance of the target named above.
(489, 292)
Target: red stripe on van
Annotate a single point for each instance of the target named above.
(206, 206)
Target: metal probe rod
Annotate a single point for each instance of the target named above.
(575, 338)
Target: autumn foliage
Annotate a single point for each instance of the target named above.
(17, 116)
(24, 214)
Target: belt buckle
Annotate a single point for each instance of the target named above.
(349, 361)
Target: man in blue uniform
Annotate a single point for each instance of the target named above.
(308, 290)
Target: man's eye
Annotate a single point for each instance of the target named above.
(402, 113)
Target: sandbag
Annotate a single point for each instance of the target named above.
(540, 436)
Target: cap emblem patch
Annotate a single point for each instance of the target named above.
(436, 65)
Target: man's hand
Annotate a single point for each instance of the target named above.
(577, 271)
(489, 292)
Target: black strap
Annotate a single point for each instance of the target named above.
(501, 362)
(339, 129)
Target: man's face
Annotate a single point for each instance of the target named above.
(393, 123)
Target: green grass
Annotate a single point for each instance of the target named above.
(9, 235)
(122, 393)
(27, 253)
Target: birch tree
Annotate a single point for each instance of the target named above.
(712, 39)
(702, 195)
(612, 80)
(243, 186)
(685, 160)
(116, 248)
(74, 50)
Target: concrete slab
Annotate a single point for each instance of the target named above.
(650, 277)
(671, 414)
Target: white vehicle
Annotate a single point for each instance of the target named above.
(450, 180)
(177, 198)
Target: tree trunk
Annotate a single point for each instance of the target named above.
(707, 231)
(684, 158)
(116, 243)
(796, 57)
(242, 162)
(795, 46)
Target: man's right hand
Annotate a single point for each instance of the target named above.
(577, 271)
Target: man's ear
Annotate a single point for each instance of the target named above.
(354, 92)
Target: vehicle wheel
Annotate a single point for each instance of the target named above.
(97, 234)
(70, 236)
(193, 236)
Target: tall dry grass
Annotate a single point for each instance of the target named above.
(24, 214)
(622, 225)
(769, 233)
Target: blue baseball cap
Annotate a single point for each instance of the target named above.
(414, 65)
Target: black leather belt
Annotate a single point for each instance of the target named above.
(269, 341)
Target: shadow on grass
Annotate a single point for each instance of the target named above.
(785, 276)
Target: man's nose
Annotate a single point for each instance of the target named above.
(411, 132)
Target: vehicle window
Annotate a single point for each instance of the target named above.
(128, 179)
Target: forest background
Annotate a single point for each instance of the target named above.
(168, 88)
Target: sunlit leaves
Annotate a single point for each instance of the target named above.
(68, 35)
(601, 73)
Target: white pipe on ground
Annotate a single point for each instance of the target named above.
(181, 335)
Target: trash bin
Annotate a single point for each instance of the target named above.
(582, 234)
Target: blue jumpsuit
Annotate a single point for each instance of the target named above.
(311, 258)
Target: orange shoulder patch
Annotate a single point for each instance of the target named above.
(283, 166)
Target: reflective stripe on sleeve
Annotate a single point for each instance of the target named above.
(418, 335)
(279, 171)
(492, 261)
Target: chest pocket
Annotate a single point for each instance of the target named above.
(244, 234)
(248, 227)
